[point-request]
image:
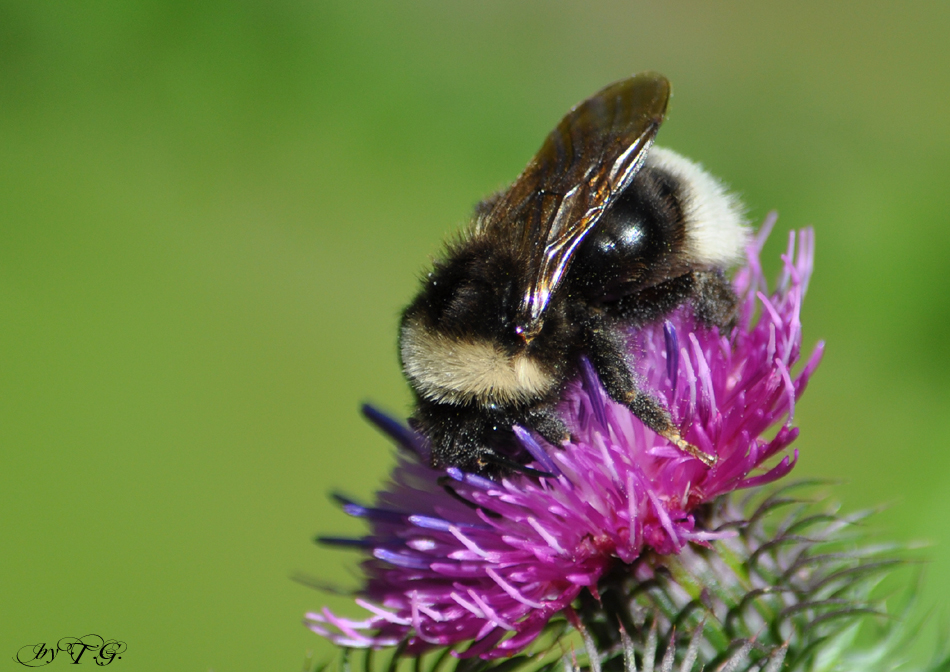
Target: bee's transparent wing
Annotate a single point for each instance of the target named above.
(583, 165)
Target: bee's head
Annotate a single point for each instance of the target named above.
(458, 340)
(472, 293)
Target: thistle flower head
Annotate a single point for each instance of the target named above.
(459, 560)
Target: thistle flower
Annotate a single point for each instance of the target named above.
(787, 592)
(459, 560)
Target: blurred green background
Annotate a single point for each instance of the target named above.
(211, 214)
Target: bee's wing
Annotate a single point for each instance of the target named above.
(583, 165)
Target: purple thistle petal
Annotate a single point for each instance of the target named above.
(802, 382)
(431, 523)
(382, 613)
(398, 432)
(672, 352)
(400, 559)
(781, 469)
(537, 451)
(482, 565)
(789, 389)
(765, 230)
(470, 479)
(594, 393)
(511, 590)
(360, 511)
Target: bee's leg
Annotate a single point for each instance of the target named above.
(657, 418)
(714, 301)
(607, 351)
(710, 293)
(652, 303)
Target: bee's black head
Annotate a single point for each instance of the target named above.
(472, 293)
(458, 342)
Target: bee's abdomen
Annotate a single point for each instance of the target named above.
(469, 370)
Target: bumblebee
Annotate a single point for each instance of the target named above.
(601, 233)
